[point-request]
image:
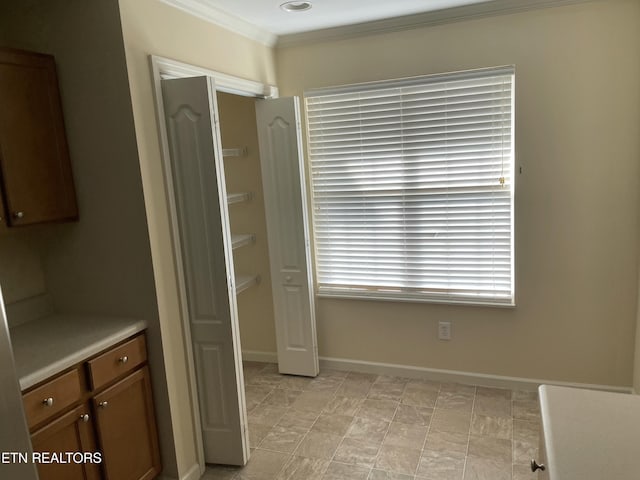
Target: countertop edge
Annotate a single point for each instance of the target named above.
(31, 379)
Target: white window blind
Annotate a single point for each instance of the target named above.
(413, 187)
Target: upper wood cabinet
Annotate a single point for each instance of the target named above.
(35, 170)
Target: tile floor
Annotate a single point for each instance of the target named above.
(352, 426)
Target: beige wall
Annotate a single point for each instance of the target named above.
(577, 123)
(151, 27)
(255, 306)
(102, 263)
(636, 366)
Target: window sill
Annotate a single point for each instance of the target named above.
(412, 299)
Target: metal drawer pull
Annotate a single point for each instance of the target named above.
(85, 417)
(47, 402)
(18, 214)
(103, 404)
(535, 466)
(123, 359)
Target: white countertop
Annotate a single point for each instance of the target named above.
(45, 347)
(590, 435)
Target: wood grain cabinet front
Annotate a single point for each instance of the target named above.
(102, 406)
(127, 429)
(72, 432)
(37, 183)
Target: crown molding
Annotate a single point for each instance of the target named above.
(203, 10)
(436, 17)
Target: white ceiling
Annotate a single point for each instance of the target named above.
(268, 16)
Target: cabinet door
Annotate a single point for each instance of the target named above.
(73, 432)
(34, 157)
(127, 430)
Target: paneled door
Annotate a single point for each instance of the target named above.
(280, 139)
(199, 195)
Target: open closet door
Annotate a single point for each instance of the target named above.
(285, 201)
(207, 267)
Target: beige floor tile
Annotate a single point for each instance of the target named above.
(255, 394)
(341, 471)
(497, 449)
(447, 442)
(523, 452)
(377, 409)
(526, 431)
(441, 466)
(282, 397)
(312, 401)
(257, 432)
(388, 388)
(267, 414)
(318, 445)
(301, 468)
(405, 435)
(333, 423)
(220, 472)
(482, 469)
(523, 472)
(356, 385)
(271, 379)
(398, 459)
(493, 406)
(459, 401)
(298, 418)
(454, 421)
(526, 410)
(263, 465)
(459, 388)
(294, 382)
(420, 394)
(343, 405)
(497, 427)
(357, 452)
(382, 475)
(283, 439)
(524, 395)
(325, 384)
(413, 415)
(367, 429)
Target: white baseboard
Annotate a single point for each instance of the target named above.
(255, 356)
(435, 374)
(194, 473)
(472, 378)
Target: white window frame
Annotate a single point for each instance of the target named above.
(396, 293)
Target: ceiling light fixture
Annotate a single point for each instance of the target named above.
(295, 6)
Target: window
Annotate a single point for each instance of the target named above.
(413, 187)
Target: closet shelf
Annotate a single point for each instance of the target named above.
(241, 239)
(235, 152)
(239, 197)
(246, 281)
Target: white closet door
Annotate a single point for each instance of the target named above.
(207, 266)
(285, 200)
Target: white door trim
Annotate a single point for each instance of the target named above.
(162, 68)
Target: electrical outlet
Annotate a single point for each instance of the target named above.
(444, 330)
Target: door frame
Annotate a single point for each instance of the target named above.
(163, 68)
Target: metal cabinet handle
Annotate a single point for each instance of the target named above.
(84, 417)
(103, 404)
(47, 402)
(124, 359)
(535, 466)
(18, 214)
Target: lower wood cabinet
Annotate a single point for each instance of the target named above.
(104, 407)
(72, 432)
(127, 429)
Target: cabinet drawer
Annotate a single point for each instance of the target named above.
(117, 362)
(54, 396)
